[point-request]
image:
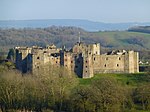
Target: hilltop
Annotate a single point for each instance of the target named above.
(142, 29)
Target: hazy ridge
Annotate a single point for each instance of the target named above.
(85, 24)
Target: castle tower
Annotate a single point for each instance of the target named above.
(22, 58)
(65, 59)
(136, 62)
(96, 49)
(131, 62)
(78, 64)
(87, 66)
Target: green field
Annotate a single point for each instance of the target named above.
(132, 80)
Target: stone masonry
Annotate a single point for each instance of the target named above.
(84, 60)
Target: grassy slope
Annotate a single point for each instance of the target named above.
(124, 39)
(131, 80)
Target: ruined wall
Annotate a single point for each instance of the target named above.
(43, 58)
(78, 64)
(84, 60)
(84, 49)
(96, 49)
(136, 62)
(22, 57)
(108, 64)
(131, 62)
(65, 59)
(87, 67)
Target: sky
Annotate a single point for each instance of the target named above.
(109, 11)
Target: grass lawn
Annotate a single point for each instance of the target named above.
(125, 79)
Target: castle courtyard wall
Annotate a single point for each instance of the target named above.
(108, 63)
(84, 60)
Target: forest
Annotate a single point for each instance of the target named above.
(55, 89)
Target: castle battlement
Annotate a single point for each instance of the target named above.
(83, 59)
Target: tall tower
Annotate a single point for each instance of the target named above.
(87, 66)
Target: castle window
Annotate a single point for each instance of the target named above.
(76, 66)
(117, 65)
(119, 58)
(96, 52)
(71, 61)
(105, 65)
(66, 65)
(94, 58)
(86, 71)
(38, 57)
(56, 61)
(86, 61)
(86, 66)
(107, 58)
(65, 59)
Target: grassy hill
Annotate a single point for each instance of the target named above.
(143, 29)
(125, 40)
(130, 80)
(68, 36)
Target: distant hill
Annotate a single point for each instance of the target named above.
(85, 24)
(142, 29)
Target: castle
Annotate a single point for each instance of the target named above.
(84, 60)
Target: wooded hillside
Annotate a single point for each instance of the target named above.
(68, 36)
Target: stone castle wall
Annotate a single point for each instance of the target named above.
(84, 60)
(108, 64)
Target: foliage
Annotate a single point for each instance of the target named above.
(142, 96)
(45, 90)
(131, 80)
(55, 88)
(69, 36)
(143, 29)
(11, 55)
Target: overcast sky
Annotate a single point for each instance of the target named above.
(110, 11)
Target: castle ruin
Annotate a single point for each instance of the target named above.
(85, 60)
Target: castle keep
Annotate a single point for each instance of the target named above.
(84, 60)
